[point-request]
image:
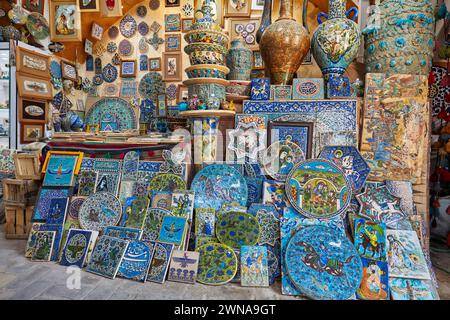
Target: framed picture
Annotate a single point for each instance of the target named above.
(88, 46)
(182, 93)
(93, 128)
(69, 71)
(300, 133)
(89, 6)
(216, 12)
(32, 62)
(245, 28)
(238, 8)
(34, 5)
(162, 105)
(172, 3)
(128, 69)
(78, 154)
(96, 31)
(80, 105)
(258, 62)
(65, 21)
(128, 89)
(31, 132)
(60, 170)
(110, 8)
(186, 24)
(32, 87)
(172, 67)
(154, 64)
(172, 22)
(257, 5)
(27, 166)
(173, 42)
(32, 110)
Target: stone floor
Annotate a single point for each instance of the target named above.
(23, 279)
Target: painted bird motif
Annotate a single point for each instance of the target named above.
(171, 230)
(184, 261)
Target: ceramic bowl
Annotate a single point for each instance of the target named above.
(239, 88)
(207, 36)
(207, 71)
(206, 53)
(210, 93)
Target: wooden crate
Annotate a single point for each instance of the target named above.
(18, 221)
(18, 192)
(27, 166)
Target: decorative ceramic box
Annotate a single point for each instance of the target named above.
(280, 92)
(308, 89)
(339, 87)
(260, 89)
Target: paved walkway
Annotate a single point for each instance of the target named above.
(23, 279)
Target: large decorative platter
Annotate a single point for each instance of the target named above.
(114, 112)
(323, 264)
(279, 158)
(217, 184)
(317, 188)
(100, 210)
(236, 229)
(217, 264)
(167, 182)
(150, 85)
(128, 26)
(38, 26)
(125, 47)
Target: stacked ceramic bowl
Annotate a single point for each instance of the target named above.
(207, 48)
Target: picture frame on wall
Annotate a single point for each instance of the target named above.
(238, 8)
(69, 71)
(186, 24)
(88, 45)
(257, 61)
(34, 5)
(33, 87)
(128, 69)
(162, 105)
(32, 110)
(96, 31)
(217, 11)
(31, 132)
(110, 9)
(173, 42)
(245, 28)
(154, 64)
(172, 3)
(93, 128)
(32, 62)
(182, 93)
(300, 133)
(257, 5)
(65, 21)
(172, 66)
(172, 22)
(91, 6)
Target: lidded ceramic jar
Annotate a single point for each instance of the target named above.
(239, 60)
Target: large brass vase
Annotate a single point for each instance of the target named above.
(284, 44)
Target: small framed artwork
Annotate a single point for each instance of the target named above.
(308, 89)
(128, 69)
(96, 31)
(257, 5)
(258, 62)
(154, 64)
(173, 42)
(35, 88)
(60, 171)
(300, 133)
(238, 8)
(110, 8)
(31, 132)
(80, 105)
(32, 110)
(88, 45)
(65, 21)
(281, 92)
(260, 89)
(32, 62)
(78, 154)
(93, 128)
(172, 22)
(162, 105)
(186, 24)
(69, 71)
(128, 89)
(33, 5)
(245, 28)
(172, 66)
(89, 6)
(172, 3)
(182, 93)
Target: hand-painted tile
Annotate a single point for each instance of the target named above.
(123, 233)
(412, 289)
(217, 264)
(43, 248)
(31, 242)
(76, 247)
(273, 193)
(370, 239)
(182, 204)
(308, 89)
(57, 244)
(135, 213)
(260, 89)
(172, 230)
(205, 221)
(167, 182)
(161, 199)
(86, 183)
(44, 199)
(60, 171)
(57, 211)
(130, 166)
(153, 222)
(107, 182)
(269, 223)
(254, 270)
(254, 187)
(375, 281)
(160, 262)
(183, 266)
(136, 260)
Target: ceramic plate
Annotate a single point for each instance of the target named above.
(216, 184)
(317, 188)
(154, 4)
(109, 73)
(323, 264)
(143, 28)
(167, 182)
(128, 26)
(38, 26)
(111, 47)
(141, 11)
(115, 112)
(125, 47)
(217, 264)
(236, 229)
(100, 210)
(113, 32)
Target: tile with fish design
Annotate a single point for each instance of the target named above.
(100, 211)
(152, 223)
(167, 182)
(172, 230)
(76, 248)
(182, 204)
(236, 229)
(161, 199)
(136, 260)
(217, 264)
(123, 233)
(269, 224)
(183, 266)
(160, 262)
(370, 239)
(135, 212)
(205, 221)
(107, 256)
(254, 269)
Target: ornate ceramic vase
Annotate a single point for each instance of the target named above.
(266, 19)
(239, 60)
(284, 45)
(399, 37)
(336, 41)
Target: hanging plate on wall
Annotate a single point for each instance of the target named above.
(143, 28)
(128, 26)
(113, 32)
(141, 11)
(125, 47)
(109, 73)
(154, 4)
(97, 79)
(38, 26)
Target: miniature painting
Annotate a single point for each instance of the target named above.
(107, 256)
(183, 204)
(76, 247)
(412, 289)
(88, 5)
(155, 64)
(172, 22)
(205, 219)
(183, 266)
(254, 270)
(161, 199)
(135, 213)
(172, 230)
(308, 89)
(123, 233)
(273, 193)
(260, 89)
(375, 282)
(370, 239)
(172, 66)
(43, 247)
(186, 24)
(136, 260)
(34, 5)
(65, 21)
(173, 42)
(60, 171)
(107, 182)
(405, 255)
(57, 211)
(238, 8)
(160, 262)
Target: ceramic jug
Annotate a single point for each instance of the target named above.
(239, 60)
(335, 43)
(266, 19)
(284, 44)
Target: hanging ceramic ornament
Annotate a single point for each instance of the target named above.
(143, 28)
(99, 49)
(112, 47)
(125, 47)
(154, 5)
(109, 73)
(97, 79)
(116, 60)
(155, 27)
(143, 63)
(187, 9)
(98, 65)
(141, 11)
(143, 45)
(128, 26)
(155, 41)
(113, 32)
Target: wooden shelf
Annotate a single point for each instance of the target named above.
(207, 113)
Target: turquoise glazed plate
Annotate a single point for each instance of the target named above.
(323, 264)
(217, 264)
(217, 184)
(236, 229)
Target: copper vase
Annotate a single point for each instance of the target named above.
(284, 44)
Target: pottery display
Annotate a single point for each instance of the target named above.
(239, 60)
(336, 41)
(207, 36)
(212, 94)
(207, 71)
(266, 19)
(284, 45)
(239, 88)
(403, 42)
(206, 53)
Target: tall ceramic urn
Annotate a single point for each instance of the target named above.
(284, 44)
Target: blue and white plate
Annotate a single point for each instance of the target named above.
(128, 26)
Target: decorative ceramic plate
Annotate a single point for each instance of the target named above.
(217, 264)
(143, 45)
(323, 264)
(38, 26)
(151, 85)
(154, 4)
(171, 91)
(216, 184)
(143, 28)
(55, 69)
(236, 229)
(109, 73)
(112, 111)
(167, 182)
(100, 210)
(128, 26)
(125, 47)
(279, 158)
(113, 32)
(97, 79)
(111, 47)
(141, 11)
(317, 188)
